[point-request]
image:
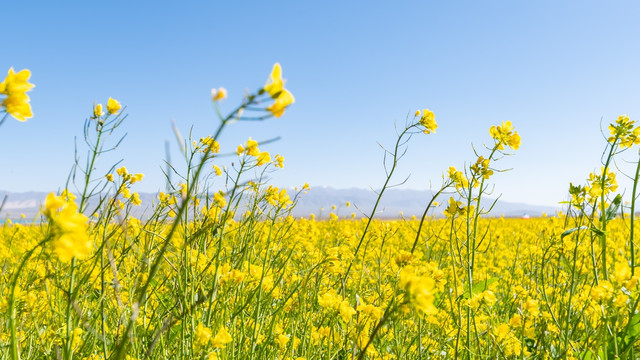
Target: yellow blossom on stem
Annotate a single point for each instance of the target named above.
(505, 135)
(282, 101)
(428, 120)
(69, 228)
(275, 83)
(420, 290)
(202, 335)
(263, 158)
(218, 94)
(252, 148)
(15, 86)
(97, 111)
(221, 339)
(113, 106)
(275, 88)
(279, 161)
(16, 82)
(219, 200)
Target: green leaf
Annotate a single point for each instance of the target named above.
(593, 229)
(634, 326)
(612, 211)
(571, 231)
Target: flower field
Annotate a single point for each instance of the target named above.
(219, 269)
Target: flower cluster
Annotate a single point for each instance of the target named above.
(427, 120)
(505, 135)
(624, 131)
(70, 237)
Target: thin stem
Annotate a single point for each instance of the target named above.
(375, 206)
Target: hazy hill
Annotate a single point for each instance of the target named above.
(319, 201)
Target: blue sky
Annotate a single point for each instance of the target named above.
(557, 70)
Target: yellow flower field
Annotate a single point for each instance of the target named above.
(227, 273)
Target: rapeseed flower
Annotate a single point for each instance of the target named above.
(505, 135)
(428, 120)
(69, 228)
(218, 94)
(97, 111)
(420, 290)
(113, 106)
(15, 86)
(202, 335)
(275, 87)
(221, 339)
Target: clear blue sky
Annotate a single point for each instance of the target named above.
(555, 69)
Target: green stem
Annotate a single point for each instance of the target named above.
(632, 216)
(14, 353)
(69, 344)
(603, 215)
(424, 216)
(375, 206)
(89, 170)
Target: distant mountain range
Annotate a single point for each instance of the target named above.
(319, 201)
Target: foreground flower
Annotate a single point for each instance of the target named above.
(275, 83)
(420, 290)
(202, 335)
(221, 339)
(275, 88)
(15, 87)
(69, 228)
(113, 106)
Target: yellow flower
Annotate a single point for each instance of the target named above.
(15, 86)
(279, 161)
(282, 340)
(135, 199)
(17, 105)
(428, 120)
(219, 94)
(217, 170)
(97, 111)
(219, 200)
(275, 88)
(420, 290)
(501, 332)
(346, 311)
(282, 101)
(69, 228)
(263, 158)
(505, 135)
(113, 106)
(458, 178)
(135, 178)
(252, 148)
(275, 84)
(16, 82)
(221, 339)
(202, 335)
